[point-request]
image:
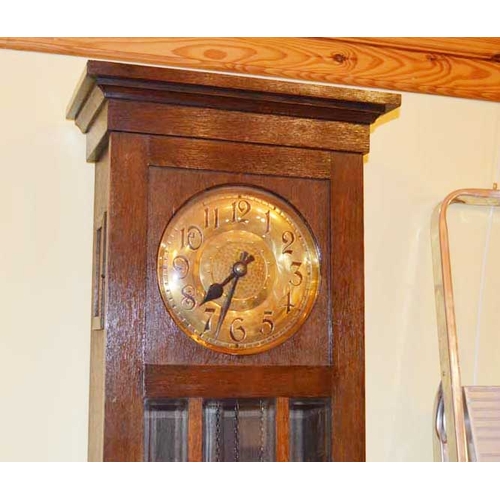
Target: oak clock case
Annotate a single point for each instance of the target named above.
(228, 283)
(238, 269)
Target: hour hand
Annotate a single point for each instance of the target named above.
(216, 290)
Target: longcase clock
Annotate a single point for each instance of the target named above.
(227, 308)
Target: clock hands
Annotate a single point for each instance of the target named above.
(225, 306)
(216, 290)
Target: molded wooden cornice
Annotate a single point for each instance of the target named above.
(459, 67)
(187, 103)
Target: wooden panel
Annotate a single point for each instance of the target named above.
(89, 112)
(228, 92)
(172, 381)
(96, 395)
(487, 48)
(165, 343)
(348, 405)
(97, 136)
(282, 430)
(98, 337)
(455, 67)
(161, 119)
(222, 87)
(239, 158)
(125, 321)
(195, 430)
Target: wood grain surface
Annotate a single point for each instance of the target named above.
(125, 319)
(487, 48)
(174, 381)
(230, 92)
(461, 67)
(162, 119)
(234, 157)
(156, 153)
(195, 430)
(97, 390)
(348, 406)
(282, 430)
(169, 188)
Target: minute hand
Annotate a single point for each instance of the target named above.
(226, 305)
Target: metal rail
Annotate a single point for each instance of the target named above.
(453, 429)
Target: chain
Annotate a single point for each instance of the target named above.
(237, 431)
(262, 433)
(217, 431)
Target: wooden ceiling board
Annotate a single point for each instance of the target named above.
(458, 67)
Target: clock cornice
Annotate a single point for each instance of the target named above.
(107, 91)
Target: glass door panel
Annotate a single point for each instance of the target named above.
(166, 429)
(239, 430)
(310, 430)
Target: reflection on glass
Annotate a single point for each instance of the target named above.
(239, 430)
(166, 424)
(310, 430)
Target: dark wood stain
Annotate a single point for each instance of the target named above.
(165, 343)
(208, 123)
(294, 98)
(125, 319)
(195, 430)
(348, 405)
(164, 135)
(282, 430)
(235, 157)
(177, 381)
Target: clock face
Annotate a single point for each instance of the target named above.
(238, 269)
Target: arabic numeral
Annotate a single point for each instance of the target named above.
(208, 325)
(236, 331)
(192, 238)
(181, 266)
(287, 302)
(189, 301)
(297, 275)
(267, 324)
(240, 210)
(208, 218)
(287, 238)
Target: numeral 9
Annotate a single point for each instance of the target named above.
(181, 266)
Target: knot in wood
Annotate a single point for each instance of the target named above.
(339, 58)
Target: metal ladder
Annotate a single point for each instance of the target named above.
(466, 424)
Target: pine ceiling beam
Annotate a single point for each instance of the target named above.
(459, 67)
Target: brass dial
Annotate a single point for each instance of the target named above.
(238, 269)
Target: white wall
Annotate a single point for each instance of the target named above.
(419, 154)
(430, 147)
(46, 201)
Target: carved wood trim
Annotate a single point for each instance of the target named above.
(460, 67)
